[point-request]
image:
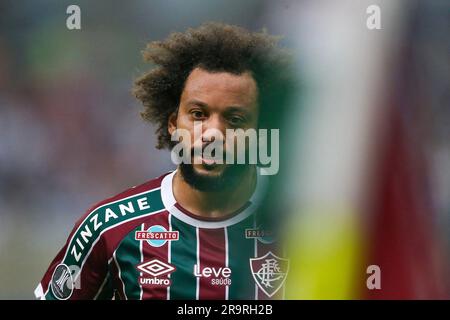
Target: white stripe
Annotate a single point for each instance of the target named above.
(94, 210)
(169, 202)
(169, 249)
(256, 255)
(283, 296)
(197, 291)
(120, 278)
(142, 260)
(39, 292)
(227, 287)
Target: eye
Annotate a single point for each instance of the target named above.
(197, 114)
(236, 120)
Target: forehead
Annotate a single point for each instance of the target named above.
(220, 88)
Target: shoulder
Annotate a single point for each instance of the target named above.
(119, 214)
(95, 236)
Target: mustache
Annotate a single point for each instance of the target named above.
(213, 151)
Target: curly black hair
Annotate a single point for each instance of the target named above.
(215, 47)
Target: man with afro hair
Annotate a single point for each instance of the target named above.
(193, 233)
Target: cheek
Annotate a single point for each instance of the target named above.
(241, 142)
(184, 123)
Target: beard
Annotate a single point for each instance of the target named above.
(230, 177)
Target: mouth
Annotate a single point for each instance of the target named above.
(208, 161)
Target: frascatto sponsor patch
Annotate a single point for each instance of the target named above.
(157, 235)
(264, 236)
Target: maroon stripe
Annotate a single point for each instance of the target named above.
(117, 283)
(212, 255)
(151, 291)
(92, 275)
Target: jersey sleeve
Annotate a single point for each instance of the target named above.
(84, 269)
(80, 269)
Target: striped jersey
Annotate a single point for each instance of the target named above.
(141, 244)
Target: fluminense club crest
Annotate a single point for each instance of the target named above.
(269, 272)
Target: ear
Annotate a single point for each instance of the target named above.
(172, 122)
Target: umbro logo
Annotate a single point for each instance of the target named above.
(158, 270)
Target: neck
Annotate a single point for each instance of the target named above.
(214, 204)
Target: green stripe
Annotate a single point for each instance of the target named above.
(49, 295)
(107, 291)
(183, 257)
(240, 250)
(128, 257)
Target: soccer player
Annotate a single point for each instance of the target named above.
(193, 233)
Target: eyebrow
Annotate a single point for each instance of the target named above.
(198, 103)
(230, 109)
(233, 109)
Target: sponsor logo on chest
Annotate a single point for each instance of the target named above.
(157, 236)
(264, 236)
(219, 276)
(157, 270)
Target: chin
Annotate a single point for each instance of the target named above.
(212, 178)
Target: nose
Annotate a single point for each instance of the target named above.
(212, 127)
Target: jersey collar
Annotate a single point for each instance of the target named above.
(174, 208)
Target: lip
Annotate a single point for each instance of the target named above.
(210, 162)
